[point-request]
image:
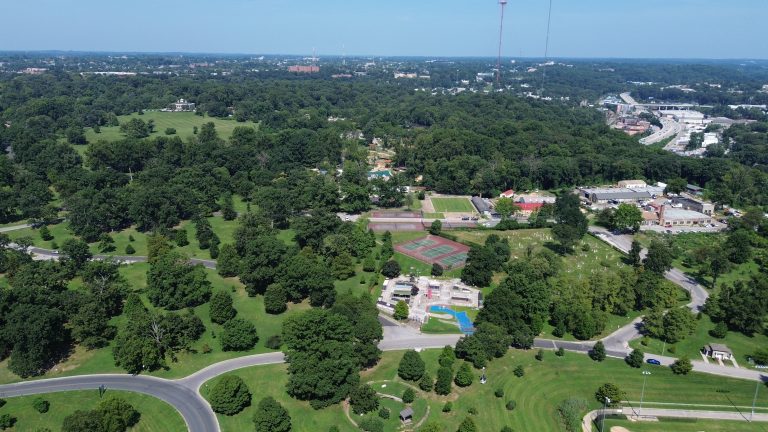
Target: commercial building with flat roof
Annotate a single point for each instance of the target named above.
(670, 217)
(695, 205)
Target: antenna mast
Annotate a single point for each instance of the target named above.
(502, 3)
(546, 50)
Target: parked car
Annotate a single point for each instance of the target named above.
(653, 362)
(465, 218)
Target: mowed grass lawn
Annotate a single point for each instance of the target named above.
(183, 122)
(156, 415)
(687, 425)
(452, 205)
(537, 394)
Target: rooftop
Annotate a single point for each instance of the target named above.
(719, 347)
(673, 213)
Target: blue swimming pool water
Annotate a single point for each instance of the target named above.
(465, 324)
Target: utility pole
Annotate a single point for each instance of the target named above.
(606, 401)
(754, 400)
(642, 393)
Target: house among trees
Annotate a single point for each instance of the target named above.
(406, 415)
(181, 105)
(718, 351)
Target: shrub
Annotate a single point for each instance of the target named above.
(2, 402)
(411, 366)
(129, 250)
(391, 269)
(645, 341)
(274, 342)
(499, 392)
(571, 412)
(230, 395)
(371, 424)
(519, 371)
(437, 270)
(275, 299)
(472, 411)
(271, 417)
(507, 429)
(447, 357)
(635, 358)
(468, 425)
(363, 399)
(409, 396)
(41, 405)
(384, 413)
(610, 392)
(464, 376)
(238, 335)
(221, 309)
(681, 366)
(7, 421)
(426, 383)
(444, 378)
(447, 407)
(560, 352)
(511, 405)
(597, 353)
(170, 131)
(720, 331)
(540, 355)
(45, 233)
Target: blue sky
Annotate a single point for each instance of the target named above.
(580, 28)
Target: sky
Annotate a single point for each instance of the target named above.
(579, 28)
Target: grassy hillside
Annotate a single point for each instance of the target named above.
(183, 122)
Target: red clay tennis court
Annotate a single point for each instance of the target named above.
(434, 249)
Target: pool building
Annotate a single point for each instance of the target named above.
(431, 297)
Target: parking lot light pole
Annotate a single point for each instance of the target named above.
(606, 401)
(642, 393)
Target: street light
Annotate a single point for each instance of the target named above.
(642, 393)
(606, 401)
(754, 400)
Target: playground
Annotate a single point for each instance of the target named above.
(434, 249)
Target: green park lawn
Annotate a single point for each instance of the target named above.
(741, 345)
(440, 326)
(183, 122)
(545, 385)
(453, 205)
(687, 425)
(156, 415)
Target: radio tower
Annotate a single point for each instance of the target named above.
(502, 3)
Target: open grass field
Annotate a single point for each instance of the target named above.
(452, 205)
(156, 415)
(544, 386)
(687, 425)
(741, 345)
(183, 122)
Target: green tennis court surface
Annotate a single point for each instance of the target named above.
(418, 243)
(437, 251)
(453, 259)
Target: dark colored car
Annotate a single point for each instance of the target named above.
(653, 362)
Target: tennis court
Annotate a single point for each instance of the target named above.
(452, 260)
(434, 249)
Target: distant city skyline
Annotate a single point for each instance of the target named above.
(679, 29)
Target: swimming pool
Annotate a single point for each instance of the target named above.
(465, 324)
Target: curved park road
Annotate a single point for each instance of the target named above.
(184, 394)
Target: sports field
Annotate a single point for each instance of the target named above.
(452, 205)
(183, 122)
(434, 249)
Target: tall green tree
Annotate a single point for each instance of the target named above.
(571, 223)
(411, 366)
(229, 395)
(173, 283)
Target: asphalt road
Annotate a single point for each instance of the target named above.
(193, 408)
